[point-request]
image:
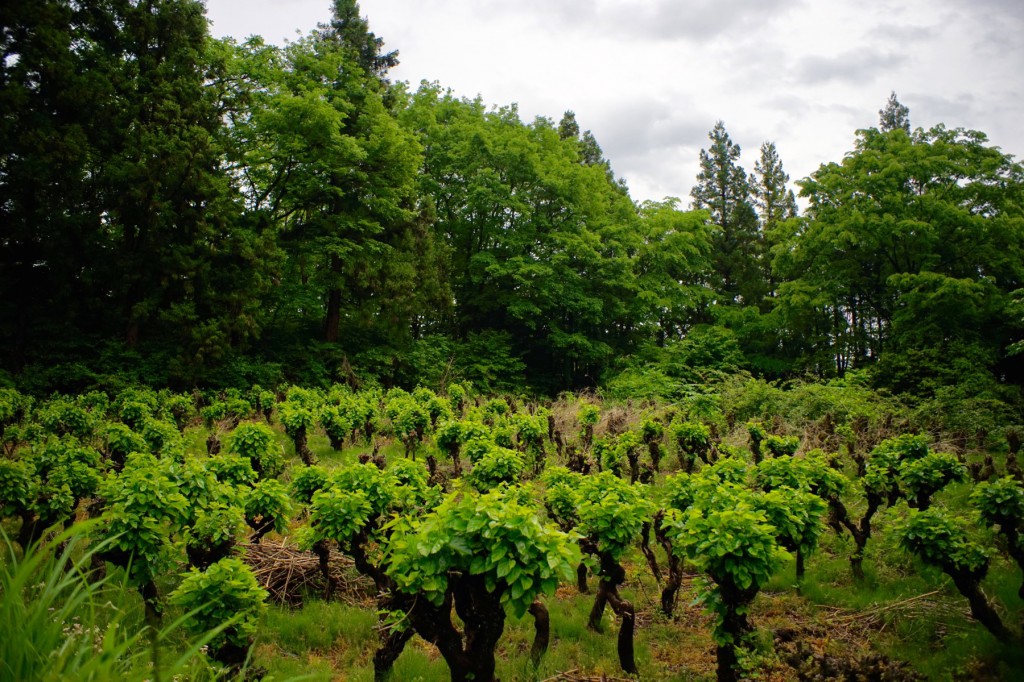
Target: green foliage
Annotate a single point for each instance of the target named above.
(734, 543)
(782, 445)
(727, 470)
(735, 546)
(588, 414)
(120, 441)
(810, 473)
(679, 491)
(225, 595)
(295, 417)
(723, 189)
(62, 622)
(180, 408)
(797, 517)
(691, 437)
(999, 502)
(256, 442)
(651, 430)
(927, 475)
(449, 435)
(456, 398)
(144, 509)
(903, 447)
(163, 438)
(12, 405)
(62, 416)
(306, 481)
(218, 525)
(942, 541)
(335, 422)
(232, 470)
(611, 512)
(17, 486)
(199, 485)
(338, 514)
(268, 502)
(496, 467)
(64, 472)
(493, 535)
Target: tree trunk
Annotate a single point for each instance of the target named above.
(969, 585)
(542, 630)
(613, 575)
(654, 448)
(645, 547)
(390, 649)
(332, 319)
(675, 573)
(581, 578)
(302, 446)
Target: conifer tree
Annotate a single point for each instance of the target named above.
(894, 116)
(723, 189)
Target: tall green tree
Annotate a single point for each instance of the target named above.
(911, 250)
(135, 196)
(673, 266)
(322, 157)
(539, 240)
(723, 189)
(774, 200)
(350, 29)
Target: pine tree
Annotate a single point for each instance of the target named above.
(894, 116)
(774, 201)
(723, 189)
(353, 31)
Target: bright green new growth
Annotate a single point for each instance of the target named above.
(780, 446)
(999, 502)
(727, 470)
(612, 512)
(268, 503)
(735, 545)
(337, 515)
(924, 476)
(163, 438)
(220, 525)
(941, 541)
(256, 442)
(144, 509)
(16, 486)
(226, 593)
(797, 516)
(493, 535)
(306, 481)
(496, 467)
(232, 470)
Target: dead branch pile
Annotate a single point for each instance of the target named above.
(289, 574)
(930, 605)
(575, 676)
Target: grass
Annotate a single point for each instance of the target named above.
(61, 622)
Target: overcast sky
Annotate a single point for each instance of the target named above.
(650, 77)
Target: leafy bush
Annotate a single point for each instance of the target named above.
(257, 443)
(225, 595)
(497, 466)
(306, 481)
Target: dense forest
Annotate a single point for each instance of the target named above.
(186, 211)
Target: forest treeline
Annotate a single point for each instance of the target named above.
(187, 211)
